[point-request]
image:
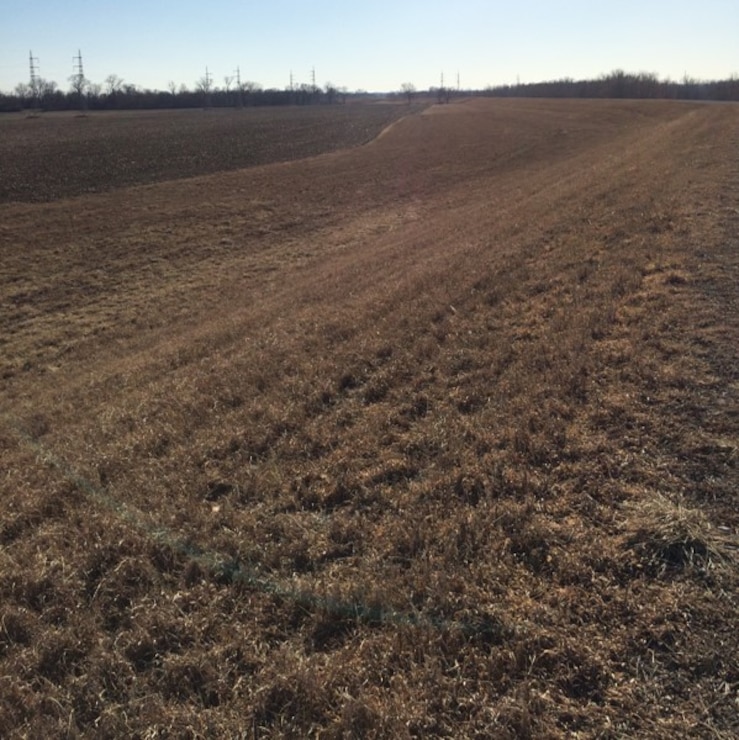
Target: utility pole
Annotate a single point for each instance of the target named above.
(33, 64)
(79, 79)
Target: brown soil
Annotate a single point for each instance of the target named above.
(50, 156)
(435, 436)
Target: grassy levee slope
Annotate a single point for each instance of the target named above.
(432, 437)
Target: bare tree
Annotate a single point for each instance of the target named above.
(94, 91)
(332, 92)
(205, 86)
(409, 90)
(23, 91)
(46, 89)
(79, 84)
(113, 84)
(245, 88)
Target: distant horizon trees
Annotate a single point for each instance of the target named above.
(619, 84)
(115, 93)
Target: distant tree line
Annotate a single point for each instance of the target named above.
(619, 84)
(116, 94)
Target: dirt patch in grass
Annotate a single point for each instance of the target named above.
(432, 437)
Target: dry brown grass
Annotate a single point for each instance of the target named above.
(434, 437)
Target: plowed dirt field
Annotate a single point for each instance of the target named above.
(434, 436)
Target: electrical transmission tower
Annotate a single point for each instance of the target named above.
(239, 91)
(445, 93)
(78, 79)
(207, 83)
(35, 79)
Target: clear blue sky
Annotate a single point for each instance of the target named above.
(371, 45)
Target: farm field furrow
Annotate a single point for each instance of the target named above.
(435, 436)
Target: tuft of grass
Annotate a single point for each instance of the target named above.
(670, 536)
